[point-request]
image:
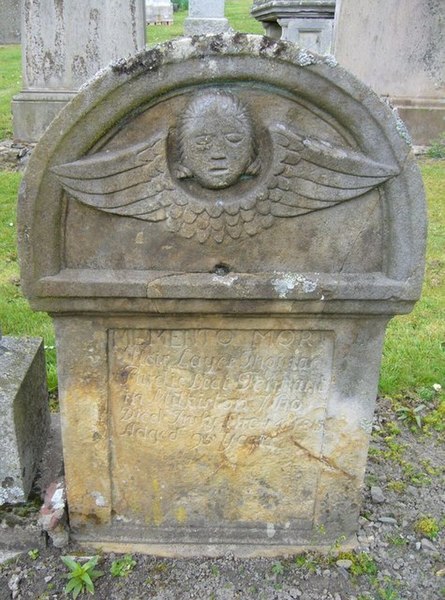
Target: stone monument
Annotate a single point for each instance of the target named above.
(10, 21)
(401, 55)
(309, 23)
(158, 12)
(206, 17)
(24, 415)
(65, 43)
(229, 222)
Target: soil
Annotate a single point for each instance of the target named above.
(399, 555)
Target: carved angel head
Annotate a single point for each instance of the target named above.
(216, 141)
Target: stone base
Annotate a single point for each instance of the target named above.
(193, 26)
(181, 550)
(24, 415)
(424, 117)
(313, 34)
(252, 437)
(32, 112)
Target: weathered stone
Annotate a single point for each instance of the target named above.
(309, 23)
(64, 44)
(401, 55)
(228, 224)
(159, 12)
(10, 21)
(428, 545)
(344, 563)
(24, 415)
(206, 18)
(377, 495)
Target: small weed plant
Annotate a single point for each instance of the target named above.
(81, 576)
(278, 568)
(428, 527)
(437, 148)
(362, 563)
(123, 566)
(411, 416)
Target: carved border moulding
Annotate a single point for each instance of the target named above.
(218, 174)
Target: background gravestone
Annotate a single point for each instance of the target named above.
(229, 222)
(205, 17)
(159, 11)
(308, 23)
(24, 415)
(64, 44)
(401, 55)
(10, 21)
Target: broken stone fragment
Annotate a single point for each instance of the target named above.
(53, 513)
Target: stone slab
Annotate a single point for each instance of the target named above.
(24, 415)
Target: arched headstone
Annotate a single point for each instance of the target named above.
(221, 229)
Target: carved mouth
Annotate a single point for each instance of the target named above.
(218, 170)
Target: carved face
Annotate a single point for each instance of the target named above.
(216, 140)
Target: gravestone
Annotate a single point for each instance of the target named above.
(64, 43)
(10, 21)
(309, 23)
(401, 55)
(159, 12)
(24, 415)
(205, 17)
(229, 223)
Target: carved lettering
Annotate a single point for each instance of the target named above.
(218, 388)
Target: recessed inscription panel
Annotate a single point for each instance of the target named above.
(217, 427)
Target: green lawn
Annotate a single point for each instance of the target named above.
(414, 354)
(10, 83)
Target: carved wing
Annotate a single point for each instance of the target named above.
(310, 174)
(133, 182)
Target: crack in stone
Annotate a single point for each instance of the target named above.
(323, 460)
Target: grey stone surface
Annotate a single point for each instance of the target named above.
(401, 55)
(10, 21)
(309, 23)
(158, 11)
(206, 18)
(24, 415)
(64, 44)
(228, 222)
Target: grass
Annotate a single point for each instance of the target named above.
(16, 317)
(414, 352)
(10, 83)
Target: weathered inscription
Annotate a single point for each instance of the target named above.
(203, 401)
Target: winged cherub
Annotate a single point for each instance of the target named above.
(216, 141)
(207, 180)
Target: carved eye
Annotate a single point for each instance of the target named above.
(234, 138)
(202, 141)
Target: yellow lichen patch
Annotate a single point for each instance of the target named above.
(181, 514)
